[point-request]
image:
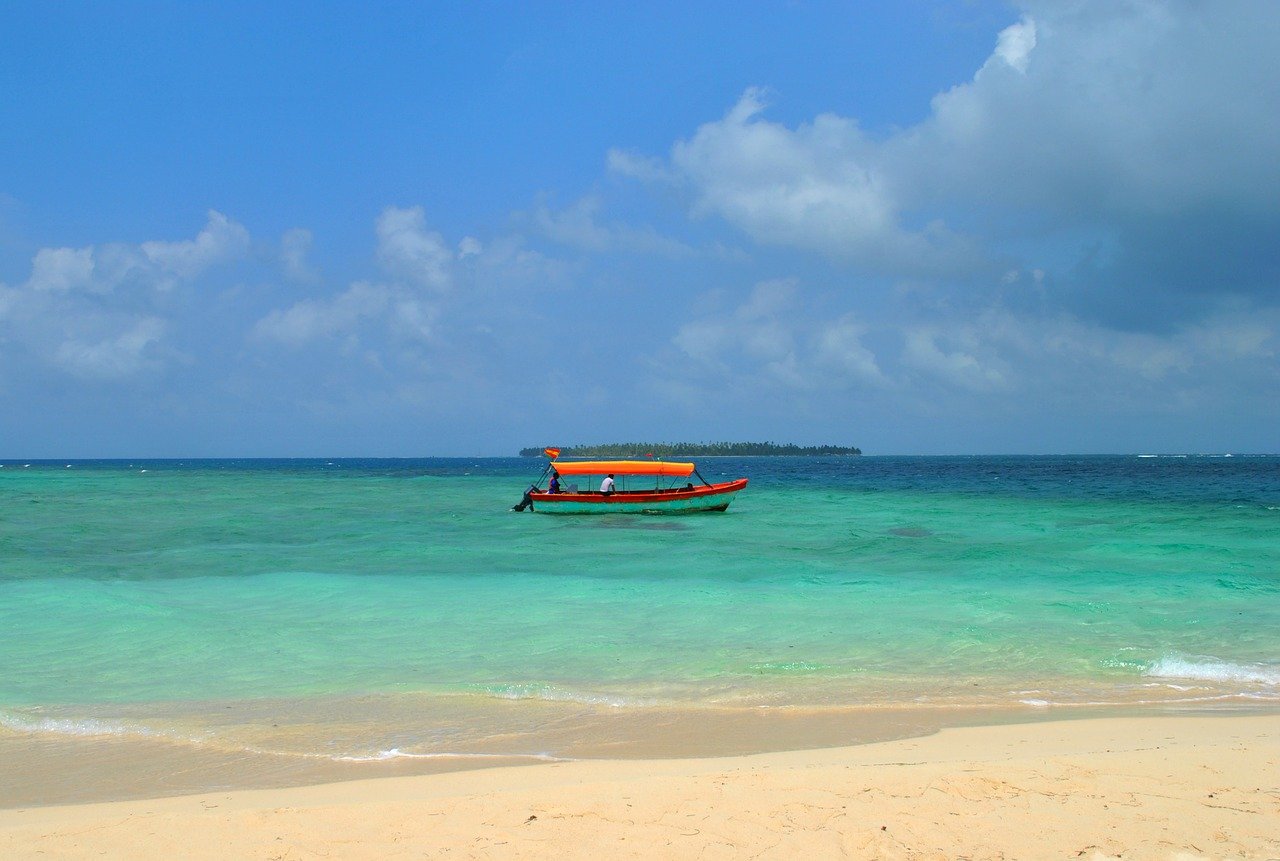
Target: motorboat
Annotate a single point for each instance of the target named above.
(639, 487)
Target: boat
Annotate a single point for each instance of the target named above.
(671, 490)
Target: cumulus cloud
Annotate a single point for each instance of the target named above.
(420, 270)
(636, 166)
(993, 360)
(839, 346)
(436, 326)
(220, 241)
(420, 276)
(1123, 146)
(1059, 361)
(59, 270)
(121, 353)
(316, 318)
(94, 312)
(819, 187)
(1015, 42)
(153, 265)
(1097, 110)
(578, 226)
(950, 356)
(409, 251)
(768, 340)
(295, 245)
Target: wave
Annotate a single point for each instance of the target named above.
(786, 667)
(396, 753)
(1208, 669)
(551, 693)
(97, 728)
(85, 727)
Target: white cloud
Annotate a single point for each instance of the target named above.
(417, 319)
(1135, 123)
(1015, 42)
(317, 318)
(152, 265)
(94, 312)
(118, 355)
(752, 329)
(819, 187)
(221, 241)
(839, 346)
(635, 166)
(409, 251)
(1051, 360)
(59, 270)
(406, 307)
(986, 362)
(769, 340)
(295, 245)
(578, 227)
(1100, 110)
(1235, 338)
(957, 364)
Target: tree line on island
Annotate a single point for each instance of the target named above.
(633, 450)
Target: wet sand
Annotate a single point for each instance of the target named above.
(132, 753)
(1204, 786)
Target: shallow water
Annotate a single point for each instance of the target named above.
(401, 607)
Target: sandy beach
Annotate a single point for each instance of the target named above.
(1131, 787)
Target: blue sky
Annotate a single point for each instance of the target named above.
(431, 228)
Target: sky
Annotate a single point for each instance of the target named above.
(461, 228)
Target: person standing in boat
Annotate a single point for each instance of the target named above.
(606, 486)
(554, 486)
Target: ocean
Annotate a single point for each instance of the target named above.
(198, 623)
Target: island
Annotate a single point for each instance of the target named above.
(631, 450)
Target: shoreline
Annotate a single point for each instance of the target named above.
(1153, 786)
(250, 751)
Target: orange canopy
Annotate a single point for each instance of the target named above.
(620, 467)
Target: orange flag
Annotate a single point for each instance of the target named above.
(551, 452)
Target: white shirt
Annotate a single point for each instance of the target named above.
(606, 486)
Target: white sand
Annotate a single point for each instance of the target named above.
(1158, 787)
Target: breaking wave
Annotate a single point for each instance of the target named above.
(1207, 669)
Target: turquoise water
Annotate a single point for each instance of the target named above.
(144, 590)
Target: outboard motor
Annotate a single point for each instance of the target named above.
(526, 501)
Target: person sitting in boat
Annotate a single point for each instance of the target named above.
(554, 486)
(606, 486)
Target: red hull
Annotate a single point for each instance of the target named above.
(714, 497)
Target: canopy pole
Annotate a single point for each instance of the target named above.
(545, 469)
(700, 478)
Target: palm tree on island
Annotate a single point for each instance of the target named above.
(696, 449)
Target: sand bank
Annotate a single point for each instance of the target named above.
(1149, 787)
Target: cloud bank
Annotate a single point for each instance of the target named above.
(1119, 145)
(1090, 220)
(98, 312)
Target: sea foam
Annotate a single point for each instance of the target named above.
(397, 753)
(1207, 669)
(552, 693)
(85, 727)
